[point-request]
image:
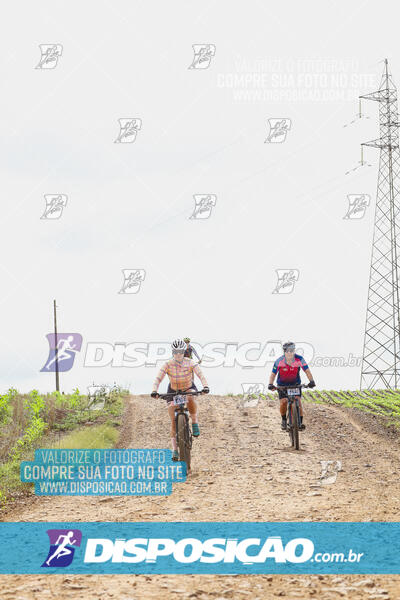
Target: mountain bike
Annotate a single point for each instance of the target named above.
(293, 394)
(184, 436)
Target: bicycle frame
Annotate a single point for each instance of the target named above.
(182, 409)
(292, 399)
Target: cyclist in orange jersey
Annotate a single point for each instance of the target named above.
(180, 371)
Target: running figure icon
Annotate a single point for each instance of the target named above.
(63, 346)
(62, 549)
(63, 545)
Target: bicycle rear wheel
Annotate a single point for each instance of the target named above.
(183, 440)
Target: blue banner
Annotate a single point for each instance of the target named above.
(212, 548)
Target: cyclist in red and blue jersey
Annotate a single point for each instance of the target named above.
(288, 368)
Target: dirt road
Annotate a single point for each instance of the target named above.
(243, 470)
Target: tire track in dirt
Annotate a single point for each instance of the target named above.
(243, 470)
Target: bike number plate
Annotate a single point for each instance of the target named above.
(179, 400)
(293, 391)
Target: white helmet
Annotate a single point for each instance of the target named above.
(178, 346)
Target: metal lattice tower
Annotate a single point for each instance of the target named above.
(381, 362)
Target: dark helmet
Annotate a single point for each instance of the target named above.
(289, 346)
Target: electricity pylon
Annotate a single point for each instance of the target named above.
(381, 362)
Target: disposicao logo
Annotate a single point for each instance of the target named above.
(190, 550)
(209, 548)
(62, 550)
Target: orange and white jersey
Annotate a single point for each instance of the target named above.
(180, 374)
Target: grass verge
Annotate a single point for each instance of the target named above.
(72, 427)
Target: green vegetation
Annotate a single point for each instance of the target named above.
(97, 436)
(383, 403)
(31, 421)
(34, 406)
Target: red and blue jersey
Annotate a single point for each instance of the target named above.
(289, 374)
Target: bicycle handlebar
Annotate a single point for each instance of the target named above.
(173, 394)
(285, 387)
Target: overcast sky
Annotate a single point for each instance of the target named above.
(278, 205)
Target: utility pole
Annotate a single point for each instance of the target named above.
(56, 346)
(381, 361)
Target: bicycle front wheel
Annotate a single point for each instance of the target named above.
(291, 434)
(295, 426)
(289, 421)
(183, 441)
